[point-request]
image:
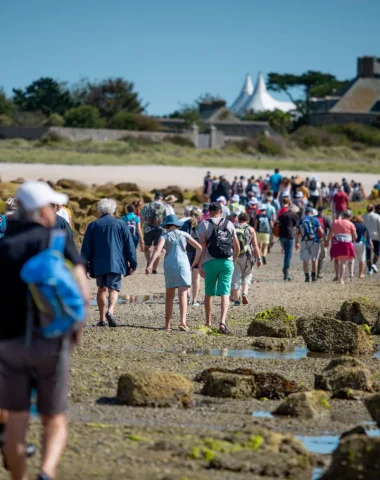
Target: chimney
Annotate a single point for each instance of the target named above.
(368, 67)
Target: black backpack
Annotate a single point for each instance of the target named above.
(313, 186)
(220, 244)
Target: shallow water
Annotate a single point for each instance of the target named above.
(298, 353)
(262, 414)
(135, 299)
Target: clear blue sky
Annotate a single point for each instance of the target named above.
(174, 50)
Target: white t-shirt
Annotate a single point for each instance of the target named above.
(169, 209)
(63, 213)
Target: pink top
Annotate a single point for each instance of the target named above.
(343, 226)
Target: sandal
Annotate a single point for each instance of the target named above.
(184, 328)
(223, 329)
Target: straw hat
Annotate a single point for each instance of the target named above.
(171, 198)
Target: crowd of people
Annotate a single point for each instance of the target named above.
(221, 243)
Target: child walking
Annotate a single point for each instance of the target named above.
(177, 269)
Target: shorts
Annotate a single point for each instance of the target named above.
(242, 273)
(191, 256)
(45, 366)
(109, 280)
(218, 276)
(152, 237)
(310, 251)
(263, 238)
(360, 251)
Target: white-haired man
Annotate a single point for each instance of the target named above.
(110, 253)
(46, 363)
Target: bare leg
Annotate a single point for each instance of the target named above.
(351, 266)
(147, 254)
(170, 293)
(224, 308)
(342, 271)
(17, 426)
(182, 297)
(314, 266)
(235, 294)
(336, 267)
(208, 308)
(361, 270)
(112, 300)
(102, 302)
(245, 288)
(196, 279)
(54, 442)
(306, 266)
(264, 248)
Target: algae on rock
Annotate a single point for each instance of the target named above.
(274, 322)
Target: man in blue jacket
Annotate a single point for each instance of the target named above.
(110, 252)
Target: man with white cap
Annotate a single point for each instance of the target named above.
(223, 203)
(235, 202)
(28, 234)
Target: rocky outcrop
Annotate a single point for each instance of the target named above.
(305, 405)
(360, 311)
(328, 335)
(273, 323)
(72, 184)
(144, 388)
(127, 187)
(345, 374)
(240, 384)
(357, 457)
(373, 406)
(375, 330)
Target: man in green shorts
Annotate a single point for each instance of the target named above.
(220, 250)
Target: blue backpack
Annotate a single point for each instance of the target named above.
(309, 229)
(3, 225)
(54, 289)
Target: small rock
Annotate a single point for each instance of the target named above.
(273, 323)
(359, 430)
(328, 335)
(144, 388)
(373, 406)
(357, 457)
(348, 394)
(360, 311)
(305, 405)
(346, 374)
(275, 344)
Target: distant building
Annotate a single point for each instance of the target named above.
(359, 102)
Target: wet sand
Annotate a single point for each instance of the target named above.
(154, 176)
(118, 442)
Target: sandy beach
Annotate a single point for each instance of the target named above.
(156, 176)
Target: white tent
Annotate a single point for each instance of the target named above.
(262, 101)
(244, 95)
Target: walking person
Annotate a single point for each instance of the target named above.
(340, 203)
(325, 223)
(177, 269)
(263, 226)
(372, 222)
(220, 250)
(134, 224)
(191, 226)
(110, 253)
(309, 233)
(288, 223)
(342, 235)
(169, 204)
(153, 214)
(45, 363)
(315, 192)
(362, 242)
(249, 251)
(275, 182)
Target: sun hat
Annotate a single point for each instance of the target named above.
(235, 198)
(284, 194)
(171, 220)
(221, 199)
(314, 178)
(315, 212)
(238, 210)
(298, 180)
(263, 206)
(299, 195)
(171, 198)
(309, 210)
(294, 209)
(34, 195)
(254, 201)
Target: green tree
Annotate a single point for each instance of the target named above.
(44, 95)
(133, 121)
(84, 117)
(280, 121)
(313, 83)
(109, 96)
(6, 105)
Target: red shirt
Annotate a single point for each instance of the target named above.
(341, 201)
(281, 211)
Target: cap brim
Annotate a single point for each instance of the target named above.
(59, 198)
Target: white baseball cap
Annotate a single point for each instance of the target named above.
(221, 199)
(253, 201)
(235, 198)
(299, 195)
(33, 195)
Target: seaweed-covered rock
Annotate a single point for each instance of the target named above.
(360, 311)
(375, 330)
(245, 383)
(106, 189)
(69, 184)
(328, 335)
(128, 187)
(305, 405)
(373, 406)
(357, 457)
(87, 200)
(274, 322)
(273, 344)
(346, 373)
(144, 388)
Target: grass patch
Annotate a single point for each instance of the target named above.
(136, 152)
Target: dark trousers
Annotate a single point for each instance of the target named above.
(287, 245)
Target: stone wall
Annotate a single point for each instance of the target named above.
(329, 118)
